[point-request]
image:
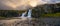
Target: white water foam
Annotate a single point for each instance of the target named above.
(29, 13)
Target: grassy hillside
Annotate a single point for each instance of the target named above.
(51, 15)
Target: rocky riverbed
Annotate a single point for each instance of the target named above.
(24, 21)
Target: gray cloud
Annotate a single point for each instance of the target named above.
(53, 1)
(23, 4)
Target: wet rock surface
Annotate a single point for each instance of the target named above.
(33, 22)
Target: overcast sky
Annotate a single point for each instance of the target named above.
(23, 4)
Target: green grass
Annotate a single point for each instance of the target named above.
(51, 15)
(44, 15)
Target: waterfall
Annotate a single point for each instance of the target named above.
(29, 13)
(23, 14)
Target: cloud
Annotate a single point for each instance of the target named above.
(52, 1)
(23, 4)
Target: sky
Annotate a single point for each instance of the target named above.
(23, 4)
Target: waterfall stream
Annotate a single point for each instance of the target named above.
(23, 14)
(28, 15)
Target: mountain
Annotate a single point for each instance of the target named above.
(46, 9)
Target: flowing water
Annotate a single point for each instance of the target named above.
(23, 14)
(28, 15)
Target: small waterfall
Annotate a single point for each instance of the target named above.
(23, 14)
(28, 16)
(29, 13)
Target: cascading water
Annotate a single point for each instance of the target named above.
(26, 18)
(29, 16)
(29, 13)
(23, 14)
